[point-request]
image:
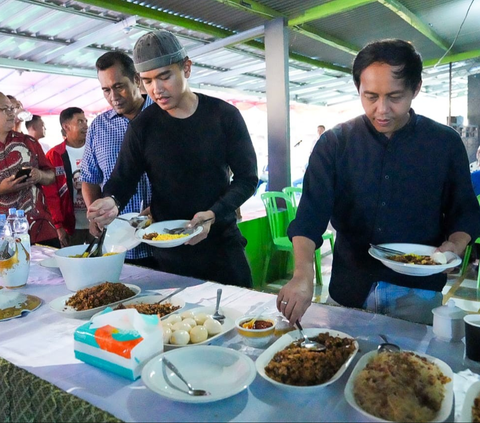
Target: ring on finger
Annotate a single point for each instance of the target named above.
(284, 302)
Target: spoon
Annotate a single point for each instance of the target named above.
(136, 221)
(217, 315)
(307, 342)
(191, 391)
(185, 229)
(387, 346)
(171, 295)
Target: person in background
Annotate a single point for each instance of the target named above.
(25, 192)
(376, 179)
(186, 142)
(320, 130)
(64, 198)
(121, 88)
(17, 104)
(36, 129)
(476, 164)
(475, 175)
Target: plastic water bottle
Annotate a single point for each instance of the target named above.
(20, 228)
(11, 217)
(3, 222)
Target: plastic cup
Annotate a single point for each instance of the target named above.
(472, 336)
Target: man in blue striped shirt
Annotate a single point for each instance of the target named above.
(121, 87)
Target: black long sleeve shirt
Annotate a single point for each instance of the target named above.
(187, 162)
(414, 187)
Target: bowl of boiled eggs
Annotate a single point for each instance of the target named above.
(193, 327)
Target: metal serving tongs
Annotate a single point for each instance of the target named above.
(386, 250)
(97, 252)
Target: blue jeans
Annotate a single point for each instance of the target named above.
(405, 303)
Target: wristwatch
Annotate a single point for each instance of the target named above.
(117, 203)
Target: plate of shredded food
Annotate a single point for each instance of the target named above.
(156, 236)
(88, 301)
(293, 368)
(150, 304)
(471, 404)
(417, 260)
(401, 386)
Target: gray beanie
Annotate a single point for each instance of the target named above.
(157, 49)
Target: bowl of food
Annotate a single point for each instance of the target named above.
(290, 367)
(256, 331)
(81, 272)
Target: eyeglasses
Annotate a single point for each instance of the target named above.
(8, 110)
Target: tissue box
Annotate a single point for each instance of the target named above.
(119, 341)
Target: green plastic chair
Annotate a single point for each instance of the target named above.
(294, 193)
(466, 257)
(278, 228)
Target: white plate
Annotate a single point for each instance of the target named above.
(14, 304)
(447, 403)
(414, 269)
(230, 316)
(287, 339)
(152, 299)
(472, 393)
(49, 263)
(121, 233)
(221, 371)
(168, 224)
(58, 305)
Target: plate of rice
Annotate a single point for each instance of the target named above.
(155, 235)
(401, 386)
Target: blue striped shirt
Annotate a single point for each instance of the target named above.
(104, 139)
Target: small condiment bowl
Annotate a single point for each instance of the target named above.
(256, 338)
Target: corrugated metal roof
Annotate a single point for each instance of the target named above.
(48, 48)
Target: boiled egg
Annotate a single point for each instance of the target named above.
(180, 337)
(167, 333)
(190, 321)
(173, 318)
(200, 318)
(439, 257)
(187, 314)
(214, 327)
(198, 334)
(181, 326)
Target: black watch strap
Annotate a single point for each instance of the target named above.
(117, 203)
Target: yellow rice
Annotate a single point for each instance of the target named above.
(168, 237)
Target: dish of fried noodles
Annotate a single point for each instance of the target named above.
(476, 410)
(295, 365)
(143, 308)
(413, 259)
(401, 387)
(99, 295)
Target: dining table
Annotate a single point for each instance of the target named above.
(40, 344)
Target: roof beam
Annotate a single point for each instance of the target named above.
(45, 68)
(413, 20)
(452, 58)
(328, 9)
(85, 41)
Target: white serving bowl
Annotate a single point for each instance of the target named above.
(80, 273)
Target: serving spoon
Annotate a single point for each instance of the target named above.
(307, 342)
(191, 390)
(217, 315)
(387, 346)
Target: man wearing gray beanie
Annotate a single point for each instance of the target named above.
(186, 142)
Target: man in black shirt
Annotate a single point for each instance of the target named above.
(186, 143)
(386, 176)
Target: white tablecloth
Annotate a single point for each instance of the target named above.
(42, 343)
